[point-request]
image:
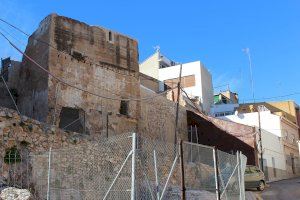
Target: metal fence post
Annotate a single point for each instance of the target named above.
(156, 175)
(49, 173)
(183, 196)
(242, 176)
(133, 166)
(216, 166)
(239, 173)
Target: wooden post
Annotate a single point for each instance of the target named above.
(183, 196)
(260, 141)
(177, 105)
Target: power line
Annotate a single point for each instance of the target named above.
(50, 45)
(13, 36)
(76, 87)
(275, 97)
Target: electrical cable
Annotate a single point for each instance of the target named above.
(41, 41)
(50, 45)
(276, 97)
(73, 86)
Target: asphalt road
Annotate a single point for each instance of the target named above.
(283, 190)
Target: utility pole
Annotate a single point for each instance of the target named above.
(183, 189)
(177, 105)
(260, 140)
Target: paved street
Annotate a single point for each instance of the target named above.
(283, 190)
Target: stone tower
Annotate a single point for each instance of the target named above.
(90, 57)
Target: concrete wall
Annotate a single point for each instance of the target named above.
(207, 97)
(218, 109)
(269, 122)
(273, 149)
(151, 65)
(203, 81)
(286, 109)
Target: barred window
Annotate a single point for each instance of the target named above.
(12, 156)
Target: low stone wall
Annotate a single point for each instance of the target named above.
(21, 138)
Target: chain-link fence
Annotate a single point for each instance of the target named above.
(129, 167)
(213, 174)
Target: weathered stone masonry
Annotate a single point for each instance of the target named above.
(94, 59)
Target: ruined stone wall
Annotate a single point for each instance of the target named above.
(10, 70)
(106, 67)
(5, 99)
(102, 62)
(158, 117)
(77, 161)
(13, 74)
(33, 82)
(29, 137)
(92, 58)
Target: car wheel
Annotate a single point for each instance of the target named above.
(261, 186)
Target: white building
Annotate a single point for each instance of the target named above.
(220, 110)
(225, 103)
(279, 142)
(196, 79)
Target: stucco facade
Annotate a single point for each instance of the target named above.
(196, 79)
(276, 149)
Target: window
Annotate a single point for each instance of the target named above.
(124, 107)
(72, 119)
(110, 36)
(286, 135)
(12, 156)
(161, 66)
(224, 100)
(293, 163)
(293, 138)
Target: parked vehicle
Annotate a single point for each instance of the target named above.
(254, 178)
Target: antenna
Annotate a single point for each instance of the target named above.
(157, 48)
(247, 51)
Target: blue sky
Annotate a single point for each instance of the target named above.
(214, 32)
